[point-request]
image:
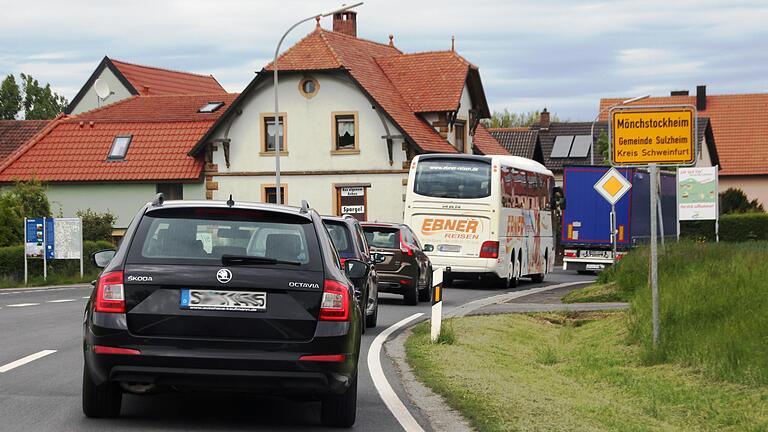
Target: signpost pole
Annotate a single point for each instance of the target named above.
(614, 234)
(45, 250)
(717, 204)
(654, 279)
(25, 251)
(81, 247)
(659, 205)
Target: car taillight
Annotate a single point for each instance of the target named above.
(335, 303)
(109, 293)
(404, 248)
(335, 358)
(570, 253)
(100, 349)
(490, 249)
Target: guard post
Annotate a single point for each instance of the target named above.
(437, 303)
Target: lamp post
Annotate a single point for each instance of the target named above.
(592, 133)
(278, 188)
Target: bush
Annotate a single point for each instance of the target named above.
(736, 227)
(96, 226)
(12, 263)
(734, 200)
(24, 199)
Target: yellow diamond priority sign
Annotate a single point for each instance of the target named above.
(612, 186)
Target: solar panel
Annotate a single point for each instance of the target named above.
(580, 147)
(562, 146)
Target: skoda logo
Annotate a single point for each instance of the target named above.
(224, 275)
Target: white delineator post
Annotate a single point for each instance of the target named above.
(437, 303)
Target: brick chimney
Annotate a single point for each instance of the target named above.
(701, 98)
(544, 120)
(345, 22)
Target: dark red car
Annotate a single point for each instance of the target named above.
(403, 267)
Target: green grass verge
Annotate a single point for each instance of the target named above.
(573, 372)
(596, 293)
(53, 279)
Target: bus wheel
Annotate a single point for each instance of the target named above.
(537, 278)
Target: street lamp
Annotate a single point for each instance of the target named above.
(278, 129)
(592, 133)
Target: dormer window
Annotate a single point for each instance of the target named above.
(210, 107)
(119, 147)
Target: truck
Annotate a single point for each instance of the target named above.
(585, 228)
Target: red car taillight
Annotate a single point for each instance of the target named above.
(404, 247)
(490, 249)
(335, 303)
(570, 253)
(335, 358)
(100, 349)
(110, 296)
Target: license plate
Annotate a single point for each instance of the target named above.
(595, 266)
(223, 300)
(449, 248)
(595, 254)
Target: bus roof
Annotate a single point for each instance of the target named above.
(512, 161)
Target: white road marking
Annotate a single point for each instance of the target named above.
(87, 297)
(25, 360)
(42, 289)
(388, 395)
(23, 304)
(60, 301)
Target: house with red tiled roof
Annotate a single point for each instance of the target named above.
(120, 80)
(740, 128)
(353, 113)
(116, 158)
(14, 133)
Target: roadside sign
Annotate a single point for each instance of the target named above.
(697, 193)
(653, 135)
(33, 237)
(612, 186)
(51, 239)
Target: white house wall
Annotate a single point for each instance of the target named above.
(90, 100)
(310, 167)
(121, 199)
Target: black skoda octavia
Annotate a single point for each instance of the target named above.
(223, 297)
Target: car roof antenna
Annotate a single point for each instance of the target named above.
(158, 200)
(230, 201)
(304, 206)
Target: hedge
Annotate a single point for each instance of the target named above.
(12, 262)
(735, 227)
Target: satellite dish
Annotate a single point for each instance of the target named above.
(102, 89)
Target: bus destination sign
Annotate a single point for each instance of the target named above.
(642, 136)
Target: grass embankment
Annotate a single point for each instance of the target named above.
(555, 372)
(53, 279)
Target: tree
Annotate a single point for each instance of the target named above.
(506, 119)
(10, 98)
(601, 147)
(734, 200)
(97, 226)
(40, 103)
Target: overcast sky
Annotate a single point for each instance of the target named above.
(563, 55)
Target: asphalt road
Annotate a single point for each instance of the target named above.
(44, 394)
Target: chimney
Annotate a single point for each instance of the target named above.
(679, 93)
(346, 23)
(701, 98)
(544, 120)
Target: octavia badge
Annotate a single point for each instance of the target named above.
(224, 275)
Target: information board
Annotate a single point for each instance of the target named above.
(67, 238)
(697, 193)
(33, 238)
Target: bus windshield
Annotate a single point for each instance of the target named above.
(453, 178)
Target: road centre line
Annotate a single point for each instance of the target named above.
(387, 394)
(25, 360)
(60, 301)
(23, 304)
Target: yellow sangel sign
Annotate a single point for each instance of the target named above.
(645, 136)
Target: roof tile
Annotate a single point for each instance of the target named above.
(150, 80)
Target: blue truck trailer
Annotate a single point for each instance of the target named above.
(586, 222)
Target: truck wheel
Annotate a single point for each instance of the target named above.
(100, 401)
(340, 410)
(425, 294)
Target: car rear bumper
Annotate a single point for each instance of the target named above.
(395, 283)
(254, 367)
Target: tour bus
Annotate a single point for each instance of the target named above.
(482, 216)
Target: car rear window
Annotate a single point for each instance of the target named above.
(382, 237)
(340, 236)
(204, 235)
